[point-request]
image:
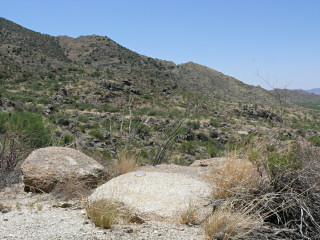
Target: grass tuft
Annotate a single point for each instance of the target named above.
(226, 223)
(190, 216)
(106, 213)
(236, 177)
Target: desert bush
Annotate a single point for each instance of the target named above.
(29, 125)
(227, 223)
(236, 177)
(71, 189)
(12, 151)
(167, 140)
(106, 213)
(212, 150)
(286, 197)
(193, 125)
(124, 163)
(190, 216)
(277, 163)
(188, 147)
(315, 140)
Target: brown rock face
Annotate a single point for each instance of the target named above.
(44, 168)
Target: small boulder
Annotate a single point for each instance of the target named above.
(154, 195)
(44, 168)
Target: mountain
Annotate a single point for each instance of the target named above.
(314, 91)
(24, 52)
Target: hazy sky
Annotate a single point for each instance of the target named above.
(279, 37)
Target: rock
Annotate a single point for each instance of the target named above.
(259, 113)
(190, 136)
(48, 110)
(202, 137)
(64, 122)
(135, 91)
(242, 132)
(127, 82)
(5, 210)
(211, 162)
(154, 195)
(112, 86)
(46, 167)
(214, 134)
(166, 91)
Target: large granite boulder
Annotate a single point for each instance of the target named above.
(44, 168)
(154, 195)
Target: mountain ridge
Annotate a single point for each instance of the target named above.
(24, 50)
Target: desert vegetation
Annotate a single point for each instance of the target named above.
(126, 111)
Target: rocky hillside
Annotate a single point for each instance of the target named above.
(24, 52)
(93, 94)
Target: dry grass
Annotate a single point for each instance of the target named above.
(287, 201)
(71, 189)
(39, 207)
(226, 223)
(236, 177)
(18, 206)
(105, 213)
(126, 162)
(190, 216)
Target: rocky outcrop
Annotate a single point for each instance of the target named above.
(46, 167)
(155, 194)
(259, 113)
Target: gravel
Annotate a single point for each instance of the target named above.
(38, 216)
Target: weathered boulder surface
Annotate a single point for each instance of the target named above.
(44, 168)
(154, 195)
(210, 162)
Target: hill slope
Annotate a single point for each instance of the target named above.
(23, 50)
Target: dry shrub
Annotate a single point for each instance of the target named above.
(287, 200)
(106, 213)
(236, 177)
(190, 216)
(126, 162)
(226, 223)
(71, 189)
(12, 151)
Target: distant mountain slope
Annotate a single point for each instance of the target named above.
(192, 76)
(314, 91)
(24, 52)
(299, 96)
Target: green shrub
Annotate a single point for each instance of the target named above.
(212, 150)
(97, 134)
(67, 139)
(193, 124)
(214, 123)
(30, 125)
(315, 140)
(188, 147)
(277, 163)
(108, 108)
(83, 118)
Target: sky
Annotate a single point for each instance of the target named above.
(271, 43)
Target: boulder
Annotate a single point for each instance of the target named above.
(154, 195)
(210, 162)
(44, 168)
